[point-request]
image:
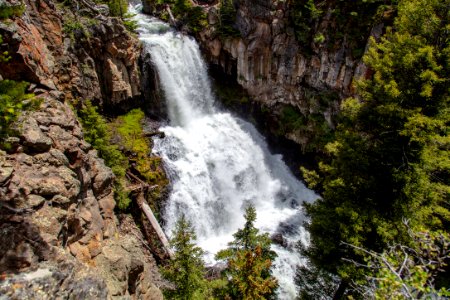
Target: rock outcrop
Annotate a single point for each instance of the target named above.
(269, 63)
(57, 208)
(60, 237)
(96, 60)
(268, 60)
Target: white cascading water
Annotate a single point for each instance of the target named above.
(218, 164)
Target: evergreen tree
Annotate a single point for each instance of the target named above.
(410, 272)
(249, 259)
(227, 19)
(186, 270)
(98, 133)
(390, 159)
(13, 101)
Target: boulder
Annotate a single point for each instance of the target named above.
(34, 139)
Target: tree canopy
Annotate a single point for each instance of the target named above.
(390, 159)
(249, 259)
(186, 270)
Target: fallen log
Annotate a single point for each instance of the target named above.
(172, 20)
(159, 232)
(155, 133)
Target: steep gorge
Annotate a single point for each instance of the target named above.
(286, 76)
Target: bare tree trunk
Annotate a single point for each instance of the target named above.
(161, 235)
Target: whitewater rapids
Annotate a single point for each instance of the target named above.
(217, 163)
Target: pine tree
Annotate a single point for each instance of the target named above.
(390, 159)
(227, 19)
(249, 259)
(186, 270)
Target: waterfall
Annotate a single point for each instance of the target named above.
(217, 163)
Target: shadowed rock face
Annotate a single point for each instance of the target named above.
(60, 237)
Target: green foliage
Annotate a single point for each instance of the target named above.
(404, 272)
(227, 20)
(72, 26)
(98, 133)
(129, 22)
(128, 129)
(186, 270)
(350, 19)
(3, 56)
(13, 101)
(117, 8)
(196, 19)
(249, 259)
(319, 38)
(302, 15)
(311, 177)
(314, 283)
(8, 11)
(291, 119)
(193, 17)
(313, 128)
(390, 156)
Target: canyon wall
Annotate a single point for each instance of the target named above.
(98, 61)
(60, 235)
(277, 71)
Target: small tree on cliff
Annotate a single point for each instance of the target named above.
(186, 270)
(13, 101)
(249, 259)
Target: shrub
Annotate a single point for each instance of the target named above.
(13, 100)
(98, 133)
(227, 19)
(130, 24)
(3, 56)
(117, 8)
(128, 129)
(7, 11)
(291, 119)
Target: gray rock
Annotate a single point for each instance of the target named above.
(60, 200)
(34, 139)
(35, 200)
(5, 172)
(55, 282)
(101, 174)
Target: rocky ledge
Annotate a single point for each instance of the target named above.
(57, 217)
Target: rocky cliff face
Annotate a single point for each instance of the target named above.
(84, 57)
(59, 235)
(276, 71)
(57, 215)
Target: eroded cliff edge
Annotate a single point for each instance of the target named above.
(60, 234)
